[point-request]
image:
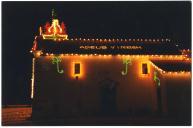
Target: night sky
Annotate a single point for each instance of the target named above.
(20, 22)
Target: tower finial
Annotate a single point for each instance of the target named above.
(53, 14)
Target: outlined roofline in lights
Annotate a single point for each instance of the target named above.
(170, 72)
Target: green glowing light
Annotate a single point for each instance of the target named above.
(126, 62)
(57, 60)
(155, 78)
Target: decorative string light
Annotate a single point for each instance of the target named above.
(171, 73)
(108, 40)
(32, 79)
(159, 57)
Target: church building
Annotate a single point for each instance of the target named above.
(96, 77)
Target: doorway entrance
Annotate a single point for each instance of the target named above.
(108, 97)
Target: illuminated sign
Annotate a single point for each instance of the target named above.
(155, 78)
(126, 62)
(104, 47)
(57, 60)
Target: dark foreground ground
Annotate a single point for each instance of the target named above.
(21, 116)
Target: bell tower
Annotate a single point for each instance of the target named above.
(55, 31)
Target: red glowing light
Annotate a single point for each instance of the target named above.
(55, 31)
(34, 46)
(55, 28)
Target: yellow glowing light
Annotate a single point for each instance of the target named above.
(179, 73)
(151, 57)
(55, 37)
(65, 37)
(80, 75)
(40, 31)
(38, 53)
(32, 79)
(141, 68)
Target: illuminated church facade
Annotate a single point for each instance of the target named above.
(92, 77)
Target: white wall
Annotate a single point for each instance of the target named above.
(63, 94)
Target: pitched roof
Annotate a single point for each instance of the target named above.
(173, 65)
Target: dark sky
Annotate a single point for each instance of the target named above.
(20, 22)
